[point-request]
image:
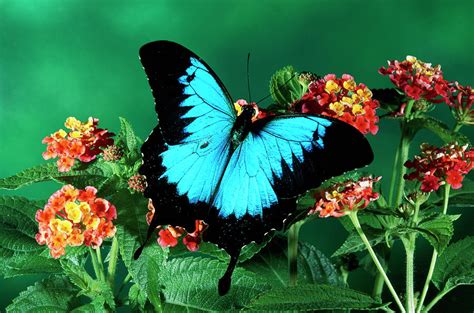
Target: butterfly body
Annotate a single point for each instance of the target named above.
(241, 175)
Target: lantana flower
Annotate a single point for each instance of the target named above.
(73, 217)
(434, 166)
(84, 142)
(341, 98)
(462, 101)
(343, 198)
(168, 236)
(418, 80)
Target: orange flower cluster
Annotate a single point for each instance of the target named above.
(341, 98)
(83, 142)
(168, 237)
(73, 217)
(342, 198)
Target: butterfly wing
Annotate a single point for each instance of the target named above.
(185, 155)
(281, 158)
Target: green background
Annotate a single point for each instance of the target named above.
(80, 58)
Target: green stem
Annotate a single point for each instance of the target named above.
(457, 127)
(124, 283)
(100, 263)
(293, 233)
(436, 299)
(355, 222)
(95, 265)
(378, 286)
(434, 256)
(409, 244)
(404, 149)
(112, 262)
(393, 178)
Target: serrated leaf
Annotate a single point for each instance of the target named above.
(438, 128)
(128, 141)
(96, 290)
(272, 263)
(438, 230)
(456, 265)
(89, 174)
(27, 264)
(353, 242)
(285, 87)
(137, 298)
(191, 283)
(54, 294)
(17, 226)
(313, 297)
(317, 267)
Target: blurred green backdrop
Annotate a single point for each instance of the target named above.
(80, 58)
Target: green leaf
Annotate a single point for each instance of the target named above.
(456, 265)
(137, 298)
(272, 263)
(191, 283)
(353, 243)
(317, 267)
(96, 290)
(313, 297)
(285, 87)
(18, 226)
(90, 174)
(27, 264)
(128, 141)
(54, 294)
(438, 128)
(438, 230)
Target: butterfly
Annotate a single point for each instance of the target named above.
(210, 160)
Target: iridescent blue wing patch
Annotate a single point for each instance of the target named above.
(186, 154)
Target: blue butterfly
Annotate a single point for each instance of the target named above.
(207, 161)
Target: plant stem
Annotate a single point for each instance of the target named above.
(355, 222)
(378, 286)
(393, 177)
(436, 299)
(124, 283)
(434, 257)
(293, 233)
(94, 263)
(404, 149)
(100, 264)
(409, 244)
(112, 262)
(457, 127)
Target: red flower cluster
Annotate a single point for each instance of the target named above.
(168, 237)
(437, 166)
(83, 142)
(137, 183)
(74, 217)
(461, 103)
(342, 198)
(418, 79)
(341, 98)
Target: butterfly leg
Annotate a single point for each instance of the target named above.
(224, 282)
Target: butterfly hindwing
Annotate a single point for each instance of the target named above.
(281, 158)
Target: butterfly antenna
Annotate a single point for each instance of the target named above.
(248, 76)
(284, 84)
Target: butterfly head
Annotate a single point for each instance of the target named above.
(248, 110)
